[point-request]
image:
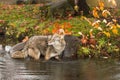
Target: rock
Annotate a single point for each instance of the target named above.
(2, 51)
(72, 45)
(1, 47)
(7, 48)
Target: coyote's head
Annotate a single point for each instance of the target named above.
(58, 42)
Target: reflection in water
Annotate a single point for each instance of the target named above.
(12, 69)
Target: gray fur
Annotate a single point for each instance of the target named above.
(38, 45)
(17, 47)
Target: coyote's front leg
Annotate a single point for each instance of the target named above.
(47, 54)
(51, 53)
(34, 53)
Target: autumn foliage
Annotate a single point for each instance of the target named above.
(57, 26)
(103, 32)
(98, 34)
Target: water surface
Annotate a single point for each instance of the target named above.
(29, 69)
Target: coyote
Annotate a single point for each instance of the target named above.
(57, 43)
(49, 46)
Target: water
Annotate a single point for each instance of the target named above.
(29, 69)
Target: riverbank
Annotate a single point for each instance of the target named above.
(99, 32)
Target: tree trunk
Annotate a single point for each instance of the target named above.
(83, 8)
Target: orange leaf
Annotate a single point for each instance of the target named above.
(115, 31)
(68, 32)
(2, 21)
(25, 39)
(56, 25)
(95, 13)
(96, 24)
(55, 30)
(46, 31)
(101, 5)
(105, 13)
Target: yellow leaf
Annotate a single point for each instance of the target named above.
(114, 20)
(101, 5)
(118, 25)
(105, 13)
(107, 34)
(45, 31)
(12, 24)
(85, 18)
(76, 8)
(91, 32)
(101, 8)
(62, 26)
(96, 24)
(114, 26)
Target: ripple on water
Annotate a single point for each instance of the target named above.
(11, 69)
(2, 65)
(31, 77)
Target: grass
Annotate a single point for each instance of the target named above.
(20, 21)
